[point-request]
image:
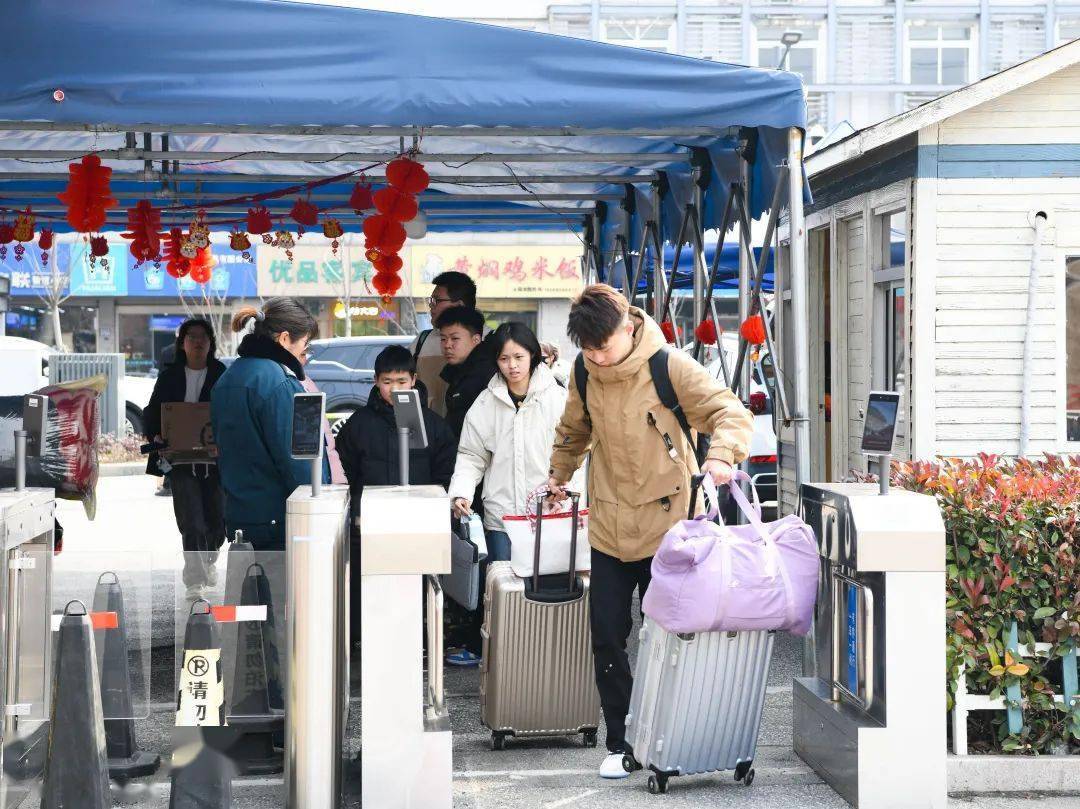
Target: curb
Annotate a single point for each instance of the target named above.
(115, 470)
(1001, 774)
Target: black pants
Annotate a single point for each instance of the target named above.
(611, 591)
(199, 507)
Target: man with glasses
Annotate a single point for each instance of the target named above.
(452, 289)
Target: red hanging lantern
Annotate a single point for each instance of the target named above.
(706, 332)
(202, 266)
(144, 226)
(753, 330)
(386, 284)
(669, 331)
(305, 214)
(45, 243)
(388, 264)
(259, 223)
(88, 196)
(361, 198)
(383, 234)
(396, 205)
(176, 265)
(407, 175)
(239, 241)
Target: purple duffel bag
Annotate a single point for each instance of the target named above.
(708, 577)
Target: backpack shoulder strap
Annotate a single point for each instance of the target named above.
(581, 381)
(661, 377)
(420, 340)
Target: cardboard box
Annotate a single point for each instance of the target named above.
(185, 426)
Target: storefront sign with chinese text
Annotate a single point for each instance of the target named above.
(502, 271)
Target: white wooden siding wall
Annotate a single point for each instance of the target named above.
(853, 235)
(983, 246)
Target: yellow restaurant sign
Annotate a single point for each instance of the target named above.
(501, 271)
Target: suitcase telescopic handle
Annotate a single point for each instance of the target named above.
(575, 498)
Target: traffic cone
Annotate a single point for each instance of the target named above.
(255, 708)
(201, 775)
(76, 767)
(126, 760)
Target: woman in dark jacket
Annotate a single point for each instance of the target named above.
(197, 497)
(251, 411)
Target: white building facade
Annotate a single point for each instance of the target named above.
(862, 60)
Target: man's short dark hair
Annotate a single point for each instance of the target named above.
(462, 316)
(458, 286)
(395, 359)
(595, 315)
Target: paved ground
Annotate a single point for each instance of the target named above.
(135, 535)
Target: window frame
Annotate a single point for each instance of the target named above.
(887, 277)
(1064, 256)
(817, 45)
(971, 45)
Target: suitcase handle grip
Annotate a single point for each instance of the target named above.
(575, 498)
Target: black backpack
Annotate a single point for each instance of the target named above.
(658, 370)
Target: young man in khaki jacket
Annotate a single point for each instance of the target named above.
(640, 469)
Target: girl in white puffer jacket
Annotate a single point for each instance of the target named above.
(508, 434)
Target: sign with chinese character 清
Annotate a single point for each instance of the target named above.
(201, 698)
(502, 271)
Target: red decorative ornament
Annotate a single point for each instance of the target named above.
(144, 226)
(407, 175)
(45, 243)
(396, 205)
(361, 198)
(285, 241)
(259, 223)
(386, 284)
(706, 332)
(388, 264)
(753, 330)
(24, 232)
(372, 255)
(239, 241)
(669, 331)
(201, 267)
(384, 234)
(305, 214)
(88, 196)
(176, 265)
(7, 235)
(332, 230)
(99, 248)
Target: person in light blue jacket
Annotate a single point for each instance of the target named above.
(251, 409)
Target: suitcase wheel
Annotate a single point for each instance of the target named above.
(749, 779)
(589, 738)
(629, 763)
(744, 771)
(658, 784)
(498, 741)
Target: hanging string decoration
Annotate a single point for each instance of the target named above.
(239, 241)
(395, 204)
(199, 233)
(24, 232)
(372, 255)
(705, 333)
(752, 330)
(407, 175)
(45, 243)
(176, 264)
(361, 198)
(88, 196)
(188, 248)
(7, 236)
(305, 214)
(259, 223)
(99, 249)
(332, 230)
(144, 231)
(285, 241)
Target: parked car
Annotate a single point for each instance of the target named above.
(26, 368)
(344, 369)
(761, 465)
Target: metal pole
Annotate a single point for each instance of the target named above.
(658, 248)
(1029, 334)
(314, 724)
(403, 454)
(21, 437)
(799, 314)
(699, 253)
(316, 476)
(884, 468)
(746, 252)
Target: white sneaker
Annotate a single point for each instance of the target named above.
(612, 766)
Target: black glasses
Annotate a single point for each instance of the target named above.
(436, 301)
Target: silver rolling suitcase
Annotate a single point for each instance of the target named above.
(696, 704)
(536, 675)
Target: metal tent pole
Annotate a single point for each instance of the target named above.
(800, 321)
(658, 190)
(699, 251)
(746, 252)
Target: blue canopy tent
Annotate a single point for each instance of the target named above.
(214, 103)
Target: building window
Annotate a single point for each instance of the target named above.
(651, 33)
(806, 56)
(1068, 30)
(1072, 348)
(940, 54)
(890, 303)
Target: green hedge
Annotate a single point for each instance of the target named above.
(1012, 539)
